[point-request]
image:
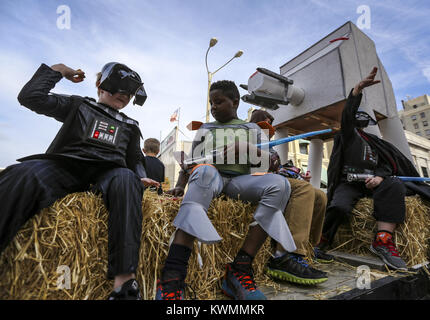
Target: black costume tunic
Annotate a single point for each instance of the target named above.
(91, 131)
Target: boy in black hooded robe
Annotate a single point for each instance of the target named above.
(356, 151)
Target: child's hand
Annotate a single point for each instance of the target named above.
(307, 176)
(274, 162)
(68, 73)
(373, 182)
(367, 82)
(177, 192)
(149, 182)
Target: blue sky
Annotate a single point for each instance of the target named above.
(166, 40)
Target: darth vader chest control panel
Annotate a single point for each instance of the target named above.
(369, 155)
(104, 132)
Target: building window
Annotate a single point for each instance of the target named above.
(414, 117)
(415, 106)
(418, 133)
(416, 125)
(425, 173)
(422, 114)
(428, 132)
(304, 148)
(425, 123)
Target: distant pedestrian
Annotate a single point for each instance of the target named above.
(154, 167)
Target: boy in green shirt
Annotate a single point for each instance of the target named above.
(207, 181)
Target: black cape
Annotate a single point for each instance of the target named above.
(400, 165)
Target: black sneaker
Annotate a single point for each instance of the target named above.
(129, 291)
(322, 257)
(293, 268)
(324, 244)
(170, 287)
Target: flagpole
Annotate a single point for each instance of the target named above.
(179, 113)
(177, 124)
(177, 129)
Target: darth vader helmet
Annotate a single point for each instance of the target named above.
(117, 77)
(363, 119)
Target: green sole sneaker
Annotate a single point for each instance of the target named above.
(323, 260)
(322, 257)
(285, 276)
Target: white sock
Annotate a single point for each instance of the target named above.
(280, 253)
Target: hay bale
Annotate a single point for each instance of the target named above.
(71, 235)
(411, 237)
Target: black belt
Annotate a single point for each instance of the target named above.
(348, 169)
(354, 170)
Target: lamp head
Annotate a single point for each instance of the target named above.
(213, 42)
(238, 54)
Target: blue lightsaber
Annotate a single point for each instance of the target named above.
(421, 179)
(180, 155)
(273, 143)
(363, 176)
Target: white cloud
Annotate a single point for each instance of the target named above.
(15, 71)
(426, 73)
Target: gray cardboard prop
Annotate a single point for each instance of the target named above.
(328, 70)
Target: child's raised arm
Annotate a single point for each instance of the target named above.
(36, 96)
(69, 73)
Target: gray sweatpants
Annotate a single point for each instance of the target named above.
(270, 191)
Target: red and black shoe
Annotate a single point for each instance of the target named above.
(170, 287)
(387, 251)
(240, 285)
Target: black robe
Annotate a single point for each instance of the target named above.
(400, 165)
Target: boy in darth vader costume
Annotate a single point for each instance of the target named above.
(356, 151)
(97, 145)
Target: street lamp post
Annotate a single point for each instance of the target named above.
(212, 43)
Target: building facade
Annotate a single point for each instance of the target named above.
(298, 152)
(420, 150)
(415, 116)
(168, 146)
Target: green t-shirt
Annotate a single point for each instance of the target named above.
(220, 134)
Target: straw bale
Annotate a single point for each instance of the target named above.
(71, 235)
(411, 237)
